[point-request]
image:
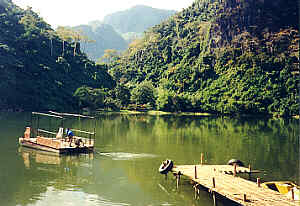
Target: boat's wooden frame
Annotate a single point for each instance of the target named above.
(58, 144)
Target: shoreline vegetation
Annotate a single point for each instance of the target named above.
(199, 114)
(225, 58)
(162, 113)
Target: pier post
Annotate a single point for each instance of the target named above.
(196, 172)
(214, 182)
(197, 191)
(177, 180)
(258, 181)
(249, 177)
(201, 160)
(245, 198)
(293, 194)
(234, 170)
(214, 198)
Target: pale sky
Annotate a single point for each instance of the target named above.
(75, 12)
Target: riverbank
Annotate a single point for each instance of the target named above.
(206, 114)
(155, 113)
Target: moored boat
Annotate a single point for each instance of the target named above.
(52, 141)
(284, 187)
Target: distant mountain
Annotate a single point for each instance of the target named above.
(119, 29)
(103, 37)
(137, 19)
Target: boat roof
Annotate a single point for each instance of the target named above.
(72, 115)
(45, 114)
(61, 115)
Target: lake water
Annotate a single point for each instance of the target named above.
(130, 148)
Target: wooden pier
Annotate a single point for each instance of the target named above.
(221, 180)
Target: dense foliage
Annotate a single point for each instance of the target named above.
(219, 56)
(39, 68)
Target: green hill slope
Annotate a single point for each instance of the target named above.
(220, 56)
(35, 72)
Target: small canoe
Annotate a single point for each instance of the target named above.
(284, 187)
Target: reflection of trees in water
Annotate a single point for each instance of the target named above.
(42, 170)
(269, 144)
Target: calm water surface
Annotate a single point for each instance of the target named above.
(124, 170)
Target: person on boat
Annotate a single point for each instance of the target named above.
(70, 135)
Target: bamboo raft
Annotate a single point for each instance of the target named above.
(221, 180)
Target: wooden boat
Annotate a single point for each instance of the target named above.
(284, 187)
(51, 141)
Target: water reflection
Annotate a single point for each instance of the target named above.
(266, 144)
(126, 156)
(130, 148)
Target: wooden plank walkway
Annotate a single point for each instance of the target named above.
(234, 188)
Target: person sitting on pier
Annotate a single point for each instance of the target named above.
(70, 135)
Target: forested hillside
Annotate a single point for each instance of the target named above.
(218, 56)
(39, 69)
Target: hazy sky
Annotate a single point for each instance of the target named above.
(75, 12)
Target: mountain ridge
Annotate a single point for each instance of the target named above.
(143, 17)
(220, 56)
(117, 37)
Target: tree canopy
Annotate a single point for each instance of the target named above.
(228, 57)
(40, 68)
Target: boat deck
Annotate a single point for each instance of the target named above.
(218, 179)
(58, 145)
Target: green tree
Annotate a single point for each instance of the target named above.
(143, 94)
(122, 94)
(109, 56)
(164, 100)
(89, 97)
(65, 35)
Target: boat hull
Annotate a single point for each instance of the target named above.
(32, 143)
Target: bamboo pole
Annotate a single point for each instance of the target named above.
(69, 114)
(49, 115)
